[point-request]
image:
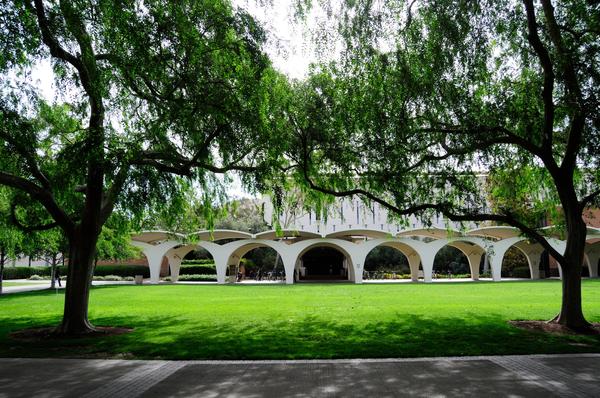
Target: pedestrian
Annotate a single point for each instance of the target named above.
(57, 276)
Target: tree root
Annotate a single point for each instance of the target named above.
(55, 333)
(554, 327)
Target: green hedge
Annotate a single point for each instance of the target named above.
(198, 261)
(101, 270)
(27, 272)
(198, 278)
(521, 272)
(198, 269)
(122, 270)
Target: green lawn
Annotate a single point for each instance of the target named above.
(305, 321)
(10, 284)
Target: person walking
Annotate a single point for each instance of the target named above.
(57, 276)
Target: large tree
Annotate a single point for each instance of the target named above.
(435, 105)
(155, 95)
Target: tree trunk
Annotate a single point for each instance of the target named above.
(2, 259)
(53, 272)
(82, 250)
(571, 314)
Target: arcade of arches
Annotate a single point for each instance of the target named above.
(342, 255)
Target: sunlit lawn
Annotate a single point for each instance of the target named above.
(11, 284)
(305, 321)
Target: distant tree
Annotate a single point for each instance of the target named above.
(242, 215)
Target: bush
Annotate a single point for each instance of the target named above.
(122, 270)
(129, 278)
(101, 270)
(26, 272)
(97, 278)
(113, 278)
(521, 272)
(166, 279)
(36, 278)
(198, 269)
(198, 261)
(198, 278)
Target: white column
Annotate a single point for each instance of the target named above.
(496, 263)
(427, 264)
(221, 266)
(474, 259)
(289, 265)
(413, 262)
(593, 257)
(533, 258)
(358, 258)
(175, 265)
(154, 263)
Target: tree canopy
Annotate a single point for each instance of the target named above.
(437, 106)
(154, 98)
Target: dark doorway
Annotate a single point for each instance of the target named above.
(323, 263)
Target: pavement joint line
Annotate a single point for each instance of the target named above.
(137, 381)
(326, 361)
(547, 377)
(380, 360)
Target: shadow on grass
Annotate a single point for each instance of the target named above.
(310, 337)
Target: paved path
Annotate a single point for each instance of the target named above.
(503, 376)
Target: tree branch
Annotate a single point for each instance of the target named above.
(24, 228)
(546, 63)
(443, 208)
(56, 50)
(574, 138)
(41, 195)
(589, 198)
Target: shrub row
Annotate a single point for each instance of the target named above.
(101, 270)
(198, 269)
(199, 261)
(113, 278)
(27, 272)
(195, 278)
(122, 270)
(521, 272)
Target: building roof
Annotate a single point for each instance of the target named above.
(154, 237)
(497, 232)
(286, 233)
(219, 234)
(370, 233)
(437, 233)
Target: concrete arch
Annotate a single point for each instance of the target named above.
(347, 248)
(532, 252)
(234, 251)
(154, 254)
(176, 254)
(592, 252)
(406, 246)
(473, 248)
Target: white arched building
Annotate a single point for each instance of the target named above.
(419, 245)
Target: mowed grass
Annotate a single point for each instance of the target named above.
(12, 284)
(304, 321)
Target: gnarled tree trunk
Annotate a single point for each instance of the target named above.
(571, 314)
(82, 250)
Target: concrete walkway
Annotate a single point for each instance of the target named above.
(502, 376)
